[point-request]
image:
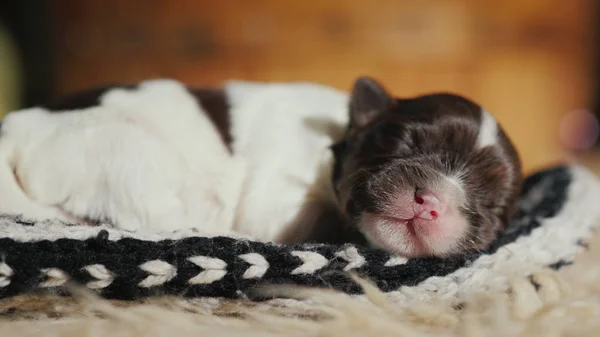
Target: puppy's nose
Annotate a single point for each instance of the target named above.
(427, 205)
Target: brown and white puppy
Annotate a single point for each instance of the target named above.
(431, 175)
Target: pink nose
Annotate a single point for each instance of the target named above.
(427, 206)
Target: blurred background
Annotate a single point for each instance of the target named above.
(533, 63)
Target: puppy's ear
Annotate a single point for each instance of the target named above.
(367, 101)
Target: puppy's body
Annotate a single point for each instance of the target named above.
(155, 157)
(256, 159)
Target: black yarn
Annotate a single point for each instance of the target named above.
(544, 193)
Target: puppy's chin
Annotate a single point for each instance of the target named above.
(417, 237)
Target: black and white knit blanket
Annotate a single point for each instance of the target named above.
(558, 209)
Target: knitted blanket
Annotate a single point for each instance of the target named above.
(557, 210)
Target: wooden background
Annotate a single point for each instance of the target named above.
(526, 61)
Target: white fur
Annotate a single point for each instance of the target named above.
(151, 160)
(488, 130)
(139, 158)
(283, 131)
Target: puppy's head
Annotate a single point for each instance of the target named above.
(429, 175)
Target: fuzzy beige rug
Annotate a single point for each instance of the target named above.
(565, 303)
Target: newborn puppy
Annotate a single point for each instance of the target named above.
(431, 175)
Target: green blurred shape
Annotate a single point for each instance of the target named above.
(10, 75)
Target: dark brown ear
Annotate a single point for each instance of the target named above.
(367, 101)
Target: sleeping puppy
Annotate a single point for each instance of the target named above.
(430, 175)
(283, 162)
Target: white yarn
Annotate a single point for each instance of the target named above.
(351, 255)
(395, 261)
(52, 230)
(56, 278)
(102, 275)
(311, 262)
(214, 269)
(5, 273)
(160, 272)
(258, 268)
